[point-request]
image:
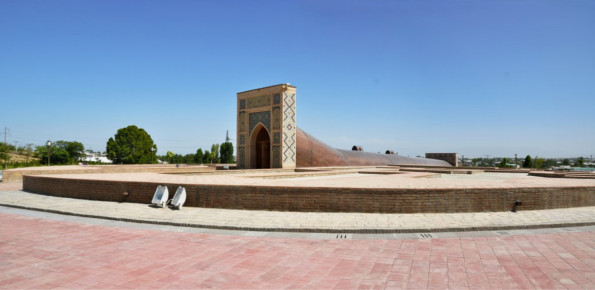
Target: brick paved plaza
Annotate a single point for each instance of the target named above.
(39, 249)
(44, 253)
(42, 250)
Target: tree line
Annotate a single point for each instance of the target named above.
(528, 162)
(130, 145)
(220, 153)
(61, 152)
(133, 145)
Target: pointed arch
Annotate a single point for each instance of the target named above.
(260, 147)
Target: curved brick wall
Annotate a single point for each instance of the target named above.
(321, 199)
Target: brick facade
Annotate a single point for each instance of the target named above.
(369, 200)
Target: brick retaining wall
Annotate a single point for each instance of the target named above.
(321, 199)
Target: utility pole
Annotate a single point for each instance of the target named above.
(227, 139)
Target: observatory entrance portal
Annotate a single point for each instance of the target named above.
(267, 127)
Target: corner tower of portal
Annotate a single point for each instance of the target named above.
(266, 134)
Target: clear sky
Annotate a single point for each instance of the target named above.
(472, 77)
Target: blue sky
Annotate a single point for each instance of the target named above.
(473, 77)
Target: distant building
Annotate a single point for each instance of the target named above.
(95, 157)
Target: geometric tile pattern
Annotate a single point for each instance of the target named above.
(260, 101)
(260, 117)
(277, 138)
(289, 128)
(242, 121)
(276, 118)
(242, 156)
(277, 156)
(277, 99)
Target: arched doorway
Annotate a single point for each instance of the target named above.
(260, 148)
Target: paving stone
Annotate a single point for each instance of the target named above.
(301, 221)
(43, 250)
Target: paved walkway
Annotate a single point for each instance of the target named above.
(301, 221)
(40, 253)
(39, 250)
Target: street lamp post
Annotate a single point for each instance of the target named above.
(49, 145)
(152, 154)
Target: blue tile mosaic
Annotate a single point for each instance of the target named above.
(260, 117)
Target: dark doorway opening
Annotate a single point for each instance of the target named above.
(261, 157)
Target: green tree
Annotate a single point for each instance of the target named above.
(580, 162)
(57, 154)
(539, 162)
(189, 158)
(61, 152)
(503, 163)
(131, 145)
(549, 163)
(207, 158)
(169, 157)
(199, 156)
(566, 162)
(528, 162)
(4, 156)
(177, 159)
(227, 153)
(215, 153)
(74, 149)
(28, 151)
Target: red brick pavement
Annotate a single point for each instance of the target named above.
(38, 253)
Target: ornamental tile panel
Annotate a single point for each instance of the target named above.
(277, 157)
(289, 128)
(242, 121)
(260, 101)
(276, 118)
(242, 157)
(260, 117)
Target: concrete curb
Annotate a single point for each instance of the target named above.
(312, 230)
